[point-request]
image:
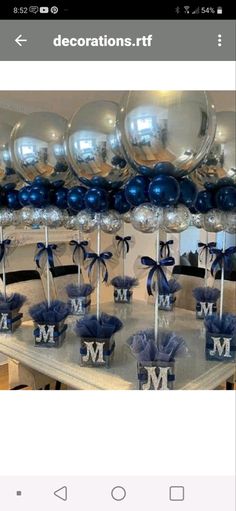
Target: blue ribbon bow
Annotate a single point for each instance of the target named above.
(3, 245)
(79, 252)
(206, 247)
(101, 261)
(156, 269)
(123, 242)
(165, 248)
(222, 257)
(45, 250)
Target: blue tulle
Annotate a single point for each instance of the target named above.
(225, 325)
(169, 347)
(173, 287)
(124, 282)
(206, 294)
(42, 313)
(102, 328)
(12, 302)
(78, 291)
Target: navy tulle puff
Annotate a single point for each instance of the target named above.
(145, 349)
(12, 302)
(206, 294)
(49, 315)
(124, 282)
(225, 325)
(76, 291)
(103, 328)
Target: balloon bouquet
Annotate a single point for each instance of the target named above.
(138, 162)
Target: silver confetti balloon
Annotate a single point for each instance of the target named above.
(6, 217)
(7, 171)
(197, 220)
(220, 162)
(52, 217)
(166, 126)
(230, 222)
(110, 222)
(126, 217)
(147, 218)
(92, 143)
(37, 147)
(31, 216)
(87, 221)
(213, 221)
(176, 219)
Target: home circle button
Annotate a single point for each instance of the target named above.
(118, 493)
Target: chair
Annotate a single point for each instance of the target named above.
(61, 277)
(189, 277)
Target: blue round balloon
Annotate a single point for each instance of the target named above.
(96, 199)
(24, 195)
(41, 181)
(164, 167)
(39, 196)
(164, 191)
(136, 190)
(60, 197)
(75, 198)
(119, 202)
(205, 201)
(226, 198)
(188, 192)
(13, 200)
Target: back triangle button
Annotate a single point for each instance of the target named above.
(61, 493)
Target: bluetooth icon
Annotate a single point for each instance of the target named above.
(177, 10)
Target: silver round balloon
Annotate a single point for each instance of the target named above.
(6, 217)
(110, 222)
(176, 219)
(197, 220)
(213, 221)
(147, 218)
(230, 222)
(37, 147)
(31, 216)
(166, 126)
(7, 171)
(220, 162)
(52, 217)
(92, 143)
(126, 217)
(87, 221)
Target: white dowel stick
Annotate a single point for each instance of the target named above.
(79, 269)
(47, 268)
(98, 290)
(157, 291)
(3, 267)
(222, 278)
(206, 259)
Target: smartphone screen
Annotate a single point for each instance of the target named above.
(117, 257)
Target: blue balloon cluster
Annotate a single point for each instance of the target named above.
(220, 195)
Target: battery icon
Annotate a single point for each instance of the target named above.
(219, 10)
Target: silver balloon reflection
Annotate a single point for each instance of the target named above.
(173, 126)
(213, 221)
(197, 220)
(126, 217)
(176, 219)
(52, 217)
(110, 222)
(92, 143)
(7, 172)
(87, 221)
(37, 147)
(230, 222)
(221, 160)
(147, 218)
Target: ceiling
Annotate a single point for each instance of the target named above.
(67, 102)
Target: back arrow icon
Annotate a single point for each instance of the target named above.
(19, 40)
